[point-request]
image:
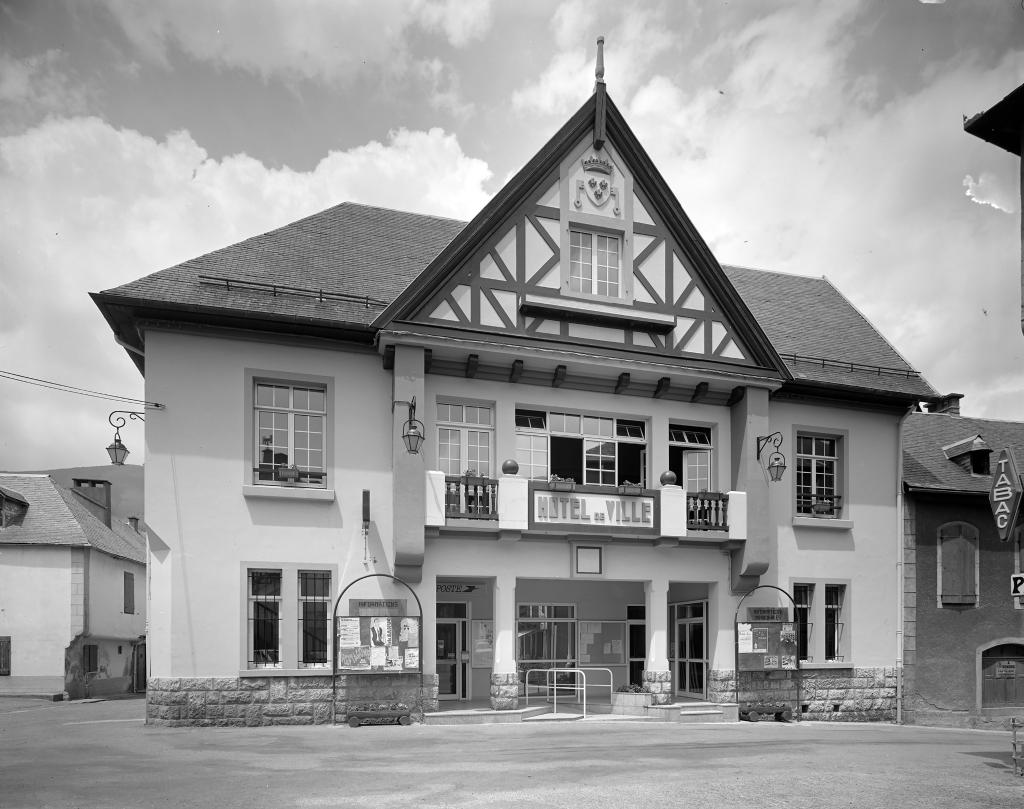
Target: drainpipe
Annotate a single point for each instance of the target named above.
(901, 538)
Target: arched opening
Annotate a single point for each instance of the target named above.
(1002, 676)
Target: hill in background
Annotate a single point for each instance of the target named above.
(126, 498)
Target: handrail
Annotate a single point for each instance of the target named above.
(553, 688)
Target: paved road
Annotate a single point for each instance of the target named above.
(101, 754)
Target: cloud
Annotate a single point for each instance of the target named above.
(989, 189)
(88, 206)
(35, 86)
(323, 41)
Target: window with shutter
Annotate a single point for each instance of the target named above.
(958, 559)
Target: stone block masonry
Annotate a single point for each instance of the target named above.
(835, 695)
(269, 700)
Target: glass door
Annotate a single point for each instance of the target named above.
(450, 642)
(691, 662)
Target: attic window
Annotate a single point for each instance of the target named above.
(12, 508)
(594, 261)
(980, 462)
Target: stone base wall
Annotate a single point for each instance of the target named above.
(505, 692)
(256, 701)
(659, 683)
(836, 695)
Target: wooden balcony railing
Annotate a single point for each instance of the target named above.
(470, 498)
(707, 511)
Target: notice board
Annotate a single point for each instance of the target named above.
(378, 644)
(602, 643)
(766, 645)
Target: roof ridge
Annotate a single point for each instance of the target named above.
(731, 266)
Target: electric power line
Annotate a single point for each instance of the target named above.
(46, 383)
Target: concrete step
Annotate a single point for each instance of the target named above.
(554, 717)
(696, 712)
(482, 716)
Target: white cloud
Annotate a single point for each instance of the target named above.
(324, 40)
(88, 207)
(989, 189)
(35, 86)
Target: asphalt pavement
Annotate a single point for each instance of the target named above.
(87, 754)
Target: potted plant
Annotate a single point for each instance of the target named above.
(472, 478)
(559, 484)
(629, 488)
(287, 473)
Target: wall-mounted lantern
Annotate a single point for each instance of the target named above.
(774, 463)
(117, 450)
(413, 429)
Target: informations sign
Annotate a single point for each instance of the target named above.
(1004, 497)
(378, 644)
(766, 645)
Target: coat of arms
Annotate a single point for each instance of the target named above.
(597, 183)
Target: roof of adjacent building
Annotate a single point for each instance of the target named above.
(344, 265)
(925, 462)
(1001, 124)
(56, 516)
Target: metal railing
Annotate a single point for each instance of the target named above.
(707, 511)
(470, 497)
(578, 685)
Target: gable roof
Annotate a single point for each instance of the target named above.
(822, 338)
(1001, 124)
(663, 201)
(925, 464)
(352, 270)
(56, 517)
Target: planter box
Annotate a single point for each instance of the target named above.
(286, 473)
(562, 485)
(632, 490)
(632, 703)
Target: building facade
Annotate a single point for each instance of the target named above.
(964, 632)
(602, 407)
(72, 591)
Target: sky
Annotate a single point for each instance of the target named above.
(820, 139)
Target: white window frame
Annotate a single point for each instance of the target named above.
(289, 653)
(692, 446)
(298, 490)
(463, 428)
(803, 509)
(590, 271)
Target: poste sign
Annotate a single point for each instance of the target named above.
(1004, 498)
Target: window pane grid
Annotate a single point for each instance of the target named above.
(264, 618)
(463, 449)
(290, 431)
(816, 475)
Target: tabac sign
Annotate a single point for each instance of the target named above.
(1005, 494)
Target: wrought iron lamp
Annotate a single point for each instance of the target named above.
(117, 450)
(413, 429)
(774, 464)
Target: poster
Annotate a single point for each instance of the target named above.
(378, 644)
(745, 638)
(483, 645)
(760, 636)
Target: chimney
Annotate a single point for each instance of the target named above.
(949, 404)
(95, 496)
(134, 523)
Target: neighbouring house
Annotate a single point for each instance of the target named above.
(557, 426)
(963, 630)
(72, 591)
(1002, 125)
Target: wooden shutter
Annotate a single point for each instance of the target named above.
(5, 656)
(959, 542)
(129, 593)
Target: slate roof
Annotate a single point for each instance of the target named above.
(351, 253)
(360, 257)
(822, 337)
(55, 516)
(925, 465)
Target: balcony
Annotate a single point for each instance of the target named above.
(511, 505)
(470, 498)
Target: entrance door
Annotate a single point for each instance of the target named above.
(1002, 673)
(691, 662)
(451, 668)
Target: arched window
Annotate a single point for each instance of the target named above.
(958, 564)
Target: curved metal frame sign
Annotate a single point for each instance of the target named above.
(1004, 497)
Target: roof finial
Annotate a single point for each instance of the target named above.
(600, 98)
(599, 70)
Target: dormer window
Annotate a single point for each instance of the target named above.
(13, 508)
(594, 263)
